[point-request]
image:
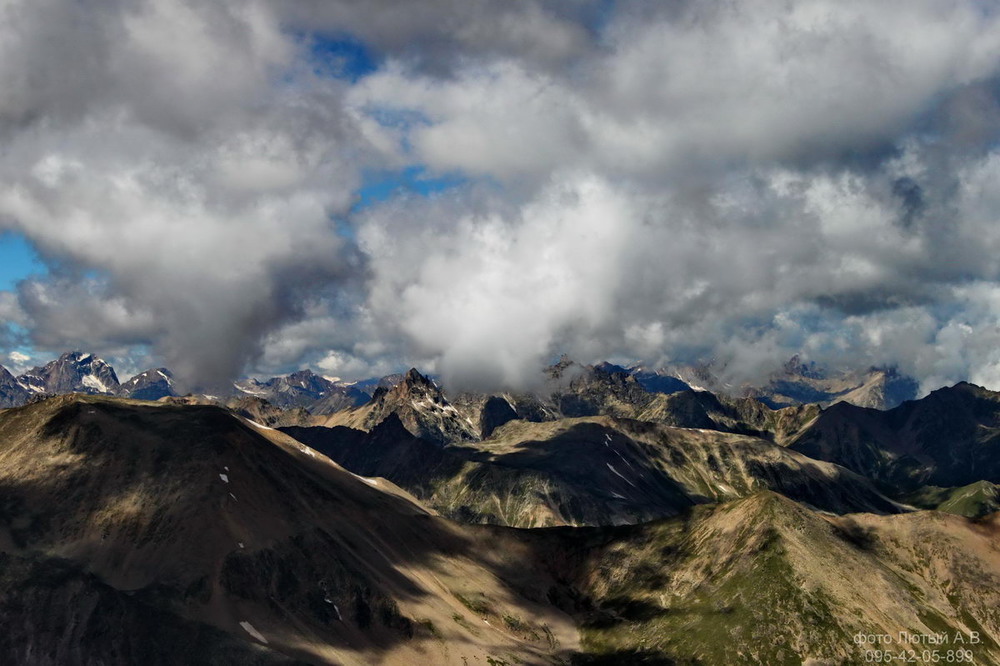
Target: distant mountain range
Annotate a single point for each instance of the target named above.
(78, 372)
(796, 383)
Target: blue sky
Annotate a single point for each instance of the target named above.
(341, 56)
(18, 260)
(415, 179)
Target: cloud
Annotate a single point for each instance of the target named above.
(699, 86)
(183, 190)
(650, 181)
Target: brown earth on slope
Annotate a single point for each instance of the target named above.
(147, 524)
(589, 471)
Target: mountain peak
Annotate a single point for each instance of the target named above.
(413, 376)
(419, 405)
(72, 372)
(152, 384)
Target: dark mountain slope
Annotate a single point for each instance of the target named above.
(192, 513)
(949, 438)
(171, 534)
(55, 613)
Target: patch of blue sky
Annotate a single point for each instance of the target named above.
(18, 260)
(381, 185)
(339, 56)
(15, 337)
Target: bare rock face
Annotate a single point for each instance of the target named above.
(420, 406)
(149, 385)
(73, 372)
(12, 394)
(495, 412)
(261, 411)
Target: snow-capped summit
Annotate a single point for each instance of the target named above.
(149, 385)
(304, 389)
(73, 372)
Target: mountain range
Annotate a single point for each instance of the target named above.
(796, 383)
(616, 516)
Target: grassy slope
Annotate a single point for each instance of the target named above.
(972, 501)
(762, 580)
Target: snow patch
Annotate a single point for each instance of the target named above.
(26, 383)
(370, 482)
(624, 459)
(233, 496)
(90, 381)
(249, 628)
(224, 477)
(257, 425)
(619, 475)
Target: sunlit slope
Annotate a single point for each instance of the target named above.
(589, 471)
(763, 580)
